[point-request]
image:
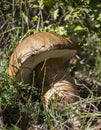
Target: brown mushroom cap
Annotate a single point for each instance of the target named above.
(36, 48)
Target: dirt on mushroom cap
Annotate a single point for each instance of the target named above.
(38, 47)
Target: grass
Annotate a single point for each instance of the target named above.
(19, 103)
(18, 100)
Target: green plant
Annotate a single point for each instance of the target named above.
(78, 20)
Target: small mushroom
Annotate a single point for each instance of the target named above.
(45, 53)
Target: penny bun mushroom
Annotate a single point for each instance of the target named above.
(43, 49)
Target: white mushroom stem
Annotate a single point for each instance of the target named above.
(57, 81)
(64, 92)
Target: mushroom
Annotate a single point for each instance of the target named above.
(45, 53)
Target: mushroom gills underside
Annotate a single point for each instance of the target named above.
(26, 69)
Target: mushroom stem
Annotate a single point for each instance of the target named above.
(61, 94)
(57, 80)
